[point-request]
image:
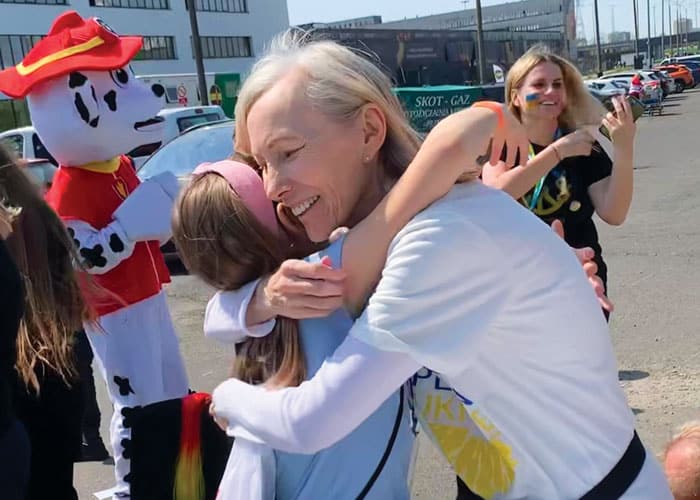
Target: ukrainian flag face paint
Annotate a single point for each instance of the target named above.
(532, 100)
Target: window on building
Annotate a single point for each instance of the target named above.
(222, 47)
(235, 6)
(131, 4)
(157, 48)
(37, 2)
(13, 48)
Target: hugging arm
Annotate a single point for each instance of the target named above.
(439, 272)
(319, 412)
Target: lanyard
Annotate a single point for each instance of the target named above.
(540, 184)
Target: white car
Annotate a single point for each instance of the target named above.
(24, 143)
(177, 121)
(609, 87)
(653, 89)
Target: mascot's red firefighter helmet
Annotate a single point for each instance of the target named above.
(73, 43)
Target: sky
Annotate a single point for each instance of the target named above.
(303, 11)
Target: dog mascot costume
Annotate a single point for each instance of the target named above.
(89, 110)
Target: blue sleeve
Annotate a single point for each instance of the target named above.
(334, 251)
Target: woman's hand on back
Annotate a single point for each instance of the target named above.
(301, 290)
(511, 134)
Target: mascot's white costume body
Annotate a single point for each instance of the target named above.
(89, 110)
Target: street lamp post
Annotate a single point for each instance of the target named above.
(670, 29)
(197, 49)
(597, 38)
(663, 29)
(480, 43)
(648, 34)
(636, 30)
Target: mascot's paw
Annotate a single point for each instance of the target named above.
(168, 182)
(145, 214)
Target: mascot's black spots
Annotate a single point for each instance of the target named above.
(127, 414)
(116, 244)
(111, 100)
(94, 95)
(71, 233)
(82, 109)
(124, 385)
(94, 122)
(126, 444)
(158, 89)
(128, 477)
(76, 80)
(93, 256)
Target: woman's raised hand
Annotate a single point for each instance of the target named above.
(621, 123)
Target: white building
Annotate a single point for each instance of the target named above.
(233, 33)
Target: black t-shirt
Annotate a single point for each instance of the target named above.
(11, 310)
(564, 196)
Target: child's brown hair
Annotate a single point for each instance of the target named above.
(223, 243)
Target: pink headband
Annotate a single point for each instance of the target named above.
(248, 185)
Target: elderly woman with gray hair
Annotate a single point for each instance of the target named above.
(479, 305)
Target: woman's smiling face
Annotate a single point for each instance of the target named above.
(546, 82)
(311, 163)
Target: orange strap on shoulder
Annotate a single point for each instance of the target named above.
(494, 106)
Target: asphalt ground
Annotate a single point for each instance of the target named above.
(654, 280)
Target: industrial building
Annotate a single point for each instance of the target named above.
(524, 16)
(441, 49)
(416, 57)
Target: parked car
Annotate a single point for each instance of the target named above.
(176, 121)
(40, 170)
(206, 142)
(24, 142)
(608, 87)
(680, 74)
(653, 85)
(679, 59)
(668, 83)
(694, 68)
(626, 77)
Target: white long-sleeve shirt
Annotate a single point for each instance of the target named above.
(526, 404)
(224, 318)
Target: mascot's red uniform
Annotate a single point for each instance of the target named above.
(89, 110)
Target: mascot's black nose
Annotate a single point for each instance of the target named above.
(158, 89)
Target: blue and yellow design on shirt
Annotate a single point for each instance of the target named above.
(468, 440)
(554, 196)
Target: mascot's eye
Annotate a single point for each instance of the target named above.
(120, 77)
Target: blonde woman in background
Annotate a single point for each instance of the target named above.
(570, 179)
